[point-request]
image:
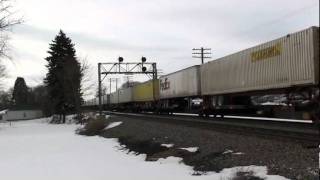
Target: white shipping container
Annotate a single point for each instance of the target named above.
(183, 83)
(114, 98)
(125, 95)
(289, 61)
(106, 99)
(96, 101)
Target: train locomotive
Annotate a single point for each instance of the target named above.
(283, 72)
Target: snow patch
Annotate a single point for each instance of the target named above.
(167, 145)
(191, 149)
(228, 151)
(37, 150)
(70, 118)
(259, 171)
(3, 111)
(170, 160)
(113, 124)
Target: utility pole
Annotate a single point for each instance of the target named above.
(99, 91)
(203, 52)
(154, 78)
(117, 89)
(110, 85)
(111, 80)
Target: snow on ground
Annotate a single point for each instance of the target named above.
(167, 145)
(259, 171)
(228, 151)
(113, 124)
(35, 150)
(191, 149)
(3, 111)
(238, 153)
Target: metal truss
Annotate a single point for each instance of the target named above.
(143, 67)
(150, 69)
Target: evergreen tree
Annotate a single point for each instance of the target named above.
(5, 99)
(63, 80)
(20, 93)
(39, 98)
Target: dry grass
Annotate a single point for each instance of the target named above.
(243, 175)
(94, 126)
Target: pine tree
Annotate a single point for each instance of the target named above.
(20, 93)
(5, 99)
(63, 80)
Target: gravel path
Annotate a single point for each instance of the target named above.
(218, 150)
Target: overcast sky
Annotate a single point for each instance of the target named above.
(165, 31)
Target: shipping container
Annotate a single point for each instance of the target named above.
(183, 83)
(125, 95)
(106, 99)
(146, 91)
(289, 61)
(96, 101)
(114, 98)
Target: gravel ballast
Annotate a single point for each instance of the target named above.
(218, 149)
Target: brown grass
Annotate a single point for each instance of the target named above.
(94, 126)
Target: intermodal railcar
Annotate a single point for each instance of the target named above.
(287, 68)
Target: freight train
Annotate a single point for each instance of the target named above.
(279, 78)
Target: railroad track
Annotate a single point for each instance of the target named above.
(296, 130)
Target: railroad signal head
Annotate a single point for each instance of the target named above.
(143, 59)
(144, 69)
(120, 59)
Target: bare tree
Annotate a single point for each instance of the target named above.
(86, 81)
(7, 21)
(2, 73)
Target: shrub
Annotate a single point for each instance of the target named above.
(94, 126)
(242, 175)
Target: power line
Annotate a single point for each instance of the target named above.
(203, 52)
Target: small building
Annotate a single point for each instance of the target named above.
(19, 114)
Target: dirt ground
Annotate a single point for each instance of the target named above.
(216, 150)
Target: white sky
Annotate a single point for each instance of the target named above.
(164, 31)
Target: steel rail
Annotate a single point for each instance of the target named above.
(305, 132)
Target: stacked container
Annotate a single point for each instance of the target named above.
(146, 91)
(125, 95)
(289, 61)
(183, 83)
